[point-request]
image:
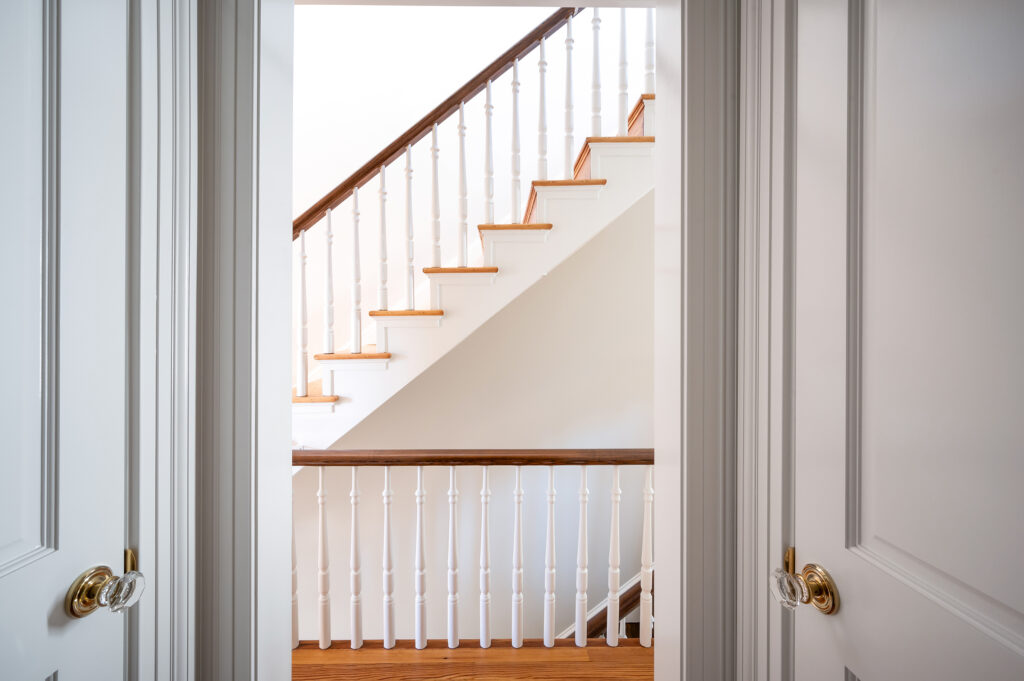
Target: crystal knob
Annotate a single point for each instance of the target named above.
(122, 592)
(788, 589)
(97, 588)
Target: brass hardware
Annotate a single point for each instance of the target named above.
(789, 560)
(821, 589)
(83, 596)
(97, 587)
(813, 585)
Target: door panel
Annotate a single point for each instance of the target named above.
(27, 184)
(908, 327)
(63, 198)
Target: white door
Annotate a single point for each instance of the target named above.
(908, 337)
(63, 349)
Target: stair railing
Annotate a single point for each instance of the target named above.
(486, 461)
(390, 299)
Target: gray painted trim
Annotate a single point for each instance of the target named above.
(243, 427)
(162, 378)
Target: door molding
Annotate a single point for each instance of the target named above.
(161, 209)
(243, 378)
(695, 431)
(243, 424)
(764, 520)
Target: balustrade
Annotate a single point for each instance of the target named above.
(325, 461)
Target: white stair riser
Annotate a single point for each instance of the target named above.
(343, 365)
(464, 279)
(312, 408)
(491, 238)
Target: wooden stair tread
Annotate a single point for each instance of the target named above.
(568, 183)
(314, 399)
(460, 270)
(314, 394)
(369, 352)
(530, 225)
(564, 662)
(631, 139)
(406, 313)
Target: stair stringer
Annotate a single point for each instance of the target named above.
(577, 213)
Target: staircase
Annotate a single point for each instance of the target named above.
(389, 344)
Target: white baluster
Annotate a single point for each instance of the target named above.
(485, 563)
(355, 566)
(302, 370)
(435, 201)
(581, 564)
(516, 185)
(295, 591)
(488, 158)
(570, 143)
(420, 566)
(542, 123)
(612, 621)
(328, 376)
(323, 567)
(623, 83)
(388, 575)
(649, 53)
(382, 285)
(517, 563)
(549, 565)
(453, 560)
(595, 97)
(463, 193)
(647, 564)
(410, 280)
(357, 280)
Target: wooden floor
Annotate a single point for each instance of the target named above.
(469, 662)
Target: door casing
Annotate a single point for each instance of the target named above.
(242, 434)
(764, 520)
(162, 252)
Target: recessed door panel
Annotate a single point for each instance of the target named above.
(941, 319)
(28, 190)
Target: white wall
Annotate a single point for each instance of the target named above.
(343, 119)
(567, 364)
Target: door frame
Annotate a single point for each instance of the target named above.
(243, 265)
(764, 510)
(161, 212)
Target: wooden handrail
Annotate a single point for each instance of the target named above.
(472, 457)
(418, 131)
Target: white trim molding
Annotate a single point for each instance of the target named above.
(162, 360)
(695, 346)
(243, 435)
(764, 510)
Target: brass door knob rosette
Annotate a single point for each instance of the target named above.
(813, 586)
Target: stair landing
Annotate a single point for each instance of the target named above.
(469, 662)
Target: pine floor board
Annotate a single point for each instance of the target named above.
(565, 662)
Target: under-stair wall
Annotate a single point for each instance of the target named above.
(569, 364)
